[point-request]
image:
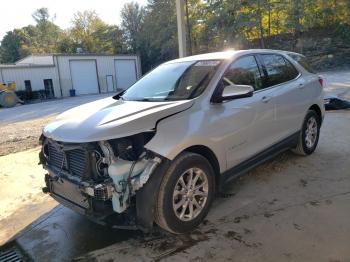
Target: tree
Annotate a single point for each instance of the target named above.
(115, 35)
(151, 30)
(159, 33)
(132, 20)
(10, 47)
(41, 15)
(44, 36)
(93, 35)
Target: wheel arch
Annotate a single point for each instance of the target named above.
(210, 156)
(317, 109)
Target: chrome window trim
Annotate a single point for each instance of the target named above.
(287, 82)
(255, 54)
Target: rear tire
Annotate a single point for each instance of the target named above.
(186, 193)
(309, 134)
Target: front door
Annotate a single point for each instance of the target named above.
(248, 122)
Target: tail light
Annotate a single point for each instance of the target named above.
(320, 79)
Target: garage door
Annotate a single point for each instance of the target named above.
(84, 76)
(125, 71)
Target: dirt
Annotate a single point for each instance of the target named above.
(20, 127)
(21, 180)
(20, 136)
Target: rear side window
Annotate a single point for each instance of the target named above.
(302, 61)
(279, 70)
(243, 71)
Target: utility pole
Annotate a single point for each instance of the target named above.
(188, 29)
(181, 28)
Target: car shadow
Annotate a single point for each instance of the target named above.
(62, 234)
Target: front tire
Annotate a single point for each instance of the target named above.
(309, 134)
(186, 193)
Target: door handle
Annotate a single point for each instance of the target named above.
(266, 99)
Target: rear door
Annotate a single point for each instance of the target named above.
(288, 88)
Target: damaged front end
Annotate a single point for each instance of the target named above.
(107, 181)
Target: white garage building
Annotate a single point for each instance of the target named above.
(86, 73)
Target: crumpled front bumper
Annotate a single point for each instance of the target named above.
(72, 194)
(140, 214)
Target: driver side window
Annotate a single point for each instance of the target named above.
(243, 71)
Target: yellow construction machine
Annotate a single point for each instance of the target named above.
(8, 97)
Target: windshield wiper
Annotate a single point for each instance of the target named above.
(119, 95)
(144, 99)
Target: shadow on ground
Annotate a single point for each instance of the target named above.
(61, 234)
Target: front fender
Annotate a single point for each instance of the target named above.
(146, 197)
(179, 132)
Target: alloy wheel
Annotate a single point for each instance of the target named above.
(311, 132)
(190, 194)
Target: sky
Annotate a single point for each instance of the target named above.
(18, 13)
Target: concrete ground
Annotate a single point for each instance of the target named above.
(337, 83)
(289, 209)
(49, 108)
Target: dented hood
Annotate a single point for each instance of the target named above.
(109, 118)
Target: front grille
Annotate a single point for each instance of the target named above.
(56, 157)
(74, 161)
(77, 161)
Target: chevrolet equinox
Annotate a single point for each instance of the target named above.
(159, 150)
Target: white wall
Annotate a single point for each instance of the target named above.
(36, 75)
(105, 66)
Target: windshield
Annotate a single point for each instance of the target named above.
(174, 81)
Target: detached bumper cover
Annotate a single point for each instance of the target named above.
(140, 215)
(68, 191)
(72, 195)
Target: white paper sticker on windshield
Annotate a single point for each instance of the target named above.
(207, 63)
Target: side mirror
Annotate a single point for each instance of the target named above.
(233, 91)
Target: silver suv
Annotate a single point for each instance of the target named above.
(158, 151)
